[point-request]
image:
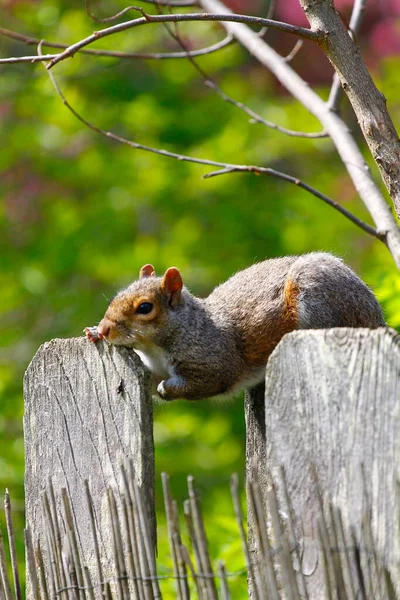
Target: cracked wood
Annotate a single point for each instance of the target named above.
(332, 404)
(88, 409)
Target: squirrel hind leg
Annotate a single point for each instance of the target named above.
(330, 294)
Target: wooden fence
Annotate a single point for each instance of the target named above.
(323, 449)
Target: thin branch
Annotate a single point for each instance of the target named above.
(354, 28)
(271, 9)
(30, 41)
(225, 167)
(298, 45)
(380, 235)
(176, 18)
(107, 19)
(27, 59)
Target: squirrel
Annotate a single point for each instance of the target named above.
(199, 348)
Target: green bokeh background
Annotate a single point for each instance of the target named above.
(80, 214)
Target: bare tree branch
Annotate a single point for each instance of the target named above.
(354, 28)
(368, 103)
(332, 123)
(225, 167)
(175, 18)
(30, 41)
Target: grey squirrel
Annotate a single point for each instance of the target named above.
(198, 348)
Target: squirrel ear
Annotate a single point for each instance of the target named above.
(172, 284)
(147, 271)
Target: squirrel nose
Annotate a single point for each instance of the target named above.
(103, 328)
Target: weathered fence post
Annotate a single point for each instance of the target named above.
(88, 410)
(332, 415)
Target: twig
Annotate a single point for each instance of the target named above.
(88, 583)
(119, 562)
(89, 502)
(73, 540)
(130, 560)
(225, 167)
(41, 573)
(200, 534)
(182, 572)
(30, 559)
(255, 118)
(138, 542)
(266, 571)
(132, 543)
(346, 565)
(245, 547)
(168, 514)
(298, 45)
(199, 581)
(326, 556)
(30, 41)
(290, 522)
(6, 585)
(145, 533)
(336, 551)
(11, 543)
(27, 59)
(54, 529)
(52, 575)
(288, 576)
(107, 19)
(336, 92)
(225, 593)
(177, 18)
(170, 523)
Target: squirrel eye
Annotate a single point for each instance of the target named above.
(145, 308)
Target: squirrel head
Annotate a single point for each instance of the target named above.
(136, 314)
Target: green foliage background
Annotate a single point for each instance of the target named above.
(80, 214)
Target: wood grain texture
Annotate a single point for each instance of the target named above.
(332, 402)
(88, 409)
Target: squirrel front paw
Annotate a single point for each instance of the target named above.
(161, 391)
(92, 334)
(167, 391)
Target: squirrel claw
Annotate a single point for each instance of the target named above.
(92, 334)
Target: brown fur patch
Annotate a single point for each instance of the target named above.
(290, 308)
(261, 340)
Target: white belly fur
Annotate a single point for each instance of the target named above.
(155, 359)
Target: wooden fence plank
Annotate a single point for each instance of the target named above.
(88, 409)
(332, 410)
